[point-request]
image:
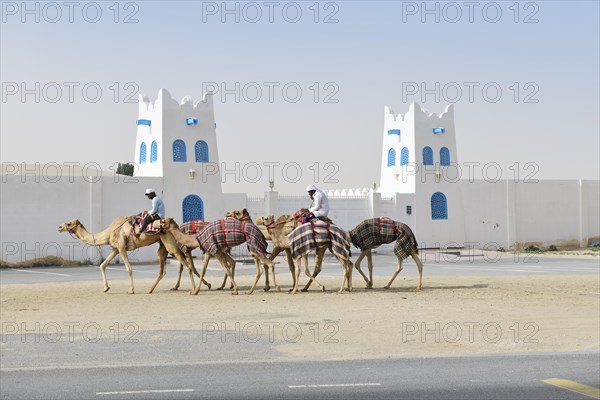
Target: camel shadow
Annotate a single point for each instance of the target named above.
(411, 289)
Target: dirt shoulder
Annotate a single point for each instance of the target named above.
(450, 316)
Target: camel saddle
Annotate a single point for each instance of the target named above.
(300, 214)
(153, 228)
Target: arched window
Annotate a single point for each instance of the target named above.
(143, 153)
(444, 156)
(153, 151)
(201, 149)
(439, 206)
(427, 156)
(193, 208)
(179, 151)
(391, 158)
(404, 156)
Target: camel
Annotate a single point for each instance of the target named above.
(320, 236)
(189, 243)
(278, 231)
(120, 238)
(373, 232)
(244, 216)
(220, 236)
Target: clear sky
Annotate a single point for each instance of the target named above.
(356, 56)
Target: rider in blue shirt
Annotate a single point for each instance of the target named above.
(157, 211)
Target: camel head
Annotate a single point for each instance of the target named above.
(242, 214)
(267, 220)
(69, 226)
(169, 223)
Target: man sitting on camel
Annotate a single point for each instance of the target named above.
(157, 211)
(320, 204)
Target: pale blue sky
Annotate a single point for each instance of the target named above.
(368, 55)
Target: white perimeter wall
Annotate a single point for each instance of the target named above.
(505, 213)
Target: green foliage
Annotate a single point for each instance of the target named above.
(533, 249)
(552, 248)
(125, 169)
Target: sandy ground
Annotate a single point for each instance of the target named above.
(450, 316)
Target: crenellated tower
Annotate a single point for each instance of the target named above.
(420, 167)
(178, 142)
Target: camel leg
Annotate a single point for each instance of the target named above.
(204, 267)
(112, 255)
(178, 277)
(320, 253)
(223, 260)
(347, 266)
(270, 265)
(420, 267)
(231, 265)
(162, 258)
(370, 263)
(181, 258)
(274, 254)
(258, 273)
(290, 260)
(357, 266)
(398, 269)
(123, 254)
(298, 262)
(317, 270)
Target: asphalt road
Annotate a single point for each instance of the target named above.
(473, 377)
(435, 264)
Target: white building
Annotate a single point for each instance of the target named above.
(177, 154)
(418, 149)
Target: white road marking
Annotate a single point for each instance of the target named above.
(145, 391)
(333, 385)
(38, 272)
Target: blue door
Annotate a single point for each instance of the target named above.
(193, 208)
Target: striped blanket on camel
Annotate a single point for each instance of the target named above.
(137, 220)
(307, 237)
(230, 232)
(193, 227)
(373, 232)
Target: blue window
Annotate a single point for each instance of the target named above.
(439, 130)
(394, 132)
(439, 206)
(201, 150)
(409, 210)
(444, 156)
(153, 152)
(193, 208)
(391, 158)
(427, 156)
(404, 156)
(191, 121)
(179, 151)
(143, 153)
(146, 122)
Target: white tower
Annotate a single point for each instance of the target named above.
(420, 167)
(178, 142)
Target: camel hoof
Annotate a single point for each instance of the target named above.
(174, 288)
(234, 293)
(304, 290)
(386, 287)
(220, 288)
(418, 289)
(278, 288)
(248, 293)
(323, 289)
(208, 285)
(267, 288)
(130, 292)
(106, 289)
